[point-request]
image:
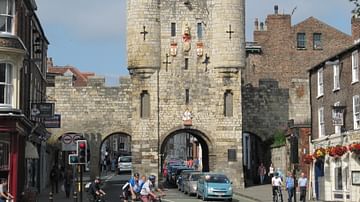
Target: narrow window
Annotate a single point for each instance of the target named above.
(317, 41)
(320, 86)
(336, 76)
(173, 29)
(145, 105)
(199, 30)
(6, 87)
(338, 175)
(228, 103)
(321, 122)
(6, 15)
(355, 66)
(301, 40)
(186, 63)
(356, 109)
(337, 118)
(187, 96)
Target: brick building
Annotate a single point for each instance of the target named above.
(281, 54)
(23, 52)
(335, 109)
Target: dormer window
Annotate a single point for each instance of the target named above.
(7, 15)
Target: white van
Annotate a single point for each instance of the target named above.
(124, 164)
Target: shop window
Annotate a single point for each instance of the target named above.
(6, 86)
(228, 103)
(4, 156)
(7, 15)
(301, 40)
(338, 175)
(145, 105)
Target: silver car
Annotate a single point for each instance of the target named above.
(190, 183)
(124, 164)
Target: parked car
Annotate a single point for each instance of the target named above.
(184, 175)
(190, 183)
(214, 186)
(124, 164)
(175, 173)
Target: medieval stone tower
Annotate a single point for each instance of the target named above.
(187, 54)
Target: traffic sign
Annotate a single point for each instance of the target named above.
(69, 141)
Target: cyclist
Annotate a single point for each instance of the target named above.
(130, 189)
(95, 189)
(276, 183)
(147, 193)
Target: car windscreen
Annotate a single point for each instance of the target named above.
(217, 179)
(125, 159)
(195, 177)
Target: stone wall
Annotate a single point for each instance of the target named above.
(265, 108)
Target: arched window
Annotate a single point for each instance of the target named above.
(7, 15)
(145, 104)
(228, 103)
(6, 87)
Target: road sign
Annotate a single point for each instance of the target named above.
(69, 141)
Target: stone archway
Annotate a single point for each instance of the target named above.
(200, 147)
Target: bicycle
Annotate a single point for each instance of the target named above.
(277, 196)
(96, 199)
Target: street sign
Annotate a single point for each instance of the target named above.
(69, 141)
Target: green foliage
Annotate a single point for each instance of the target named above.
(279, 138)
(356, 10)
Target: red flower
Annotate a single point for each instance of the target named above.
(355, 147)
(337, 150)
(307, 158)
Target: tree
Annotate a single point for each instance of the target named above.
(356, 10)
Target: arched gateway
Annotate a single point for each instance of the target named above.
(185, 60)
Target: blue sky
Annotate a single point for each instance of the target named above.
(91, 34)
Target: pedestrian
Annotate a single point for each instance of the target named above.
(54, 179)
(262, 172)
(302, 181)
(68, 182)
(4, 194)
(290, 186)
(271, 171)
(113, 163)
(196, 164)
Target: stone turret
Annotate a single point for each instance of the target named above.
(143, 37)
(228, 35)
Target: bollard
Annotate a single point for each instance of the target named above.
(51, 199)
(75, 196)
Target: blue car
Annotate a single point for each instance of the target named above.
(214, 186)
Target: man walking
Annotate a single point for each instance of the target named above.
(302, 184)
(262, 172)
(290, 186)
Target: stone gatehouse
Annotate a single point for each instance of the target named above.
(181, 55)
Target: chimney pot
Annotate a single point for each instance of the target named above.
(276, 9)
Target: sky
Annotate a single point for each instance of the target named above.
(91, 34)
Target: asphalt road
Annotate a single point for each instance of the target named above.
(113, 183)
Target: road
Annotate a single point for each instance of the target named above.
(113, 184)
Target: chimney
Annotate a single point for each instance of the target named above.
(276, 9)
(256, 24)
(355, 28)
(261, 26)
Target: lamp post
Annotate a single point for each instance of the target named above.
(158, 121)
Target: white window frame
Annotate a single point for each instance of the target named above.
(320, 79)
(338, 170)
(356, 110)
(336, 68)
(8, 16)
(321, 122)
(355, 66)
(7, 85)
(337, 127)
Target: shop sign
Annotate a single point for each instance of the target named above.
(42, 109)
(53, 122)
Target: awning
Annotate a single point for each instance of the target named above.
(31, 151)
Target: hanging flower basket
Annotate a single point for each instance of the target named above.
(307, 158)
(337, 151)
(319, 153)
(355, 148)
